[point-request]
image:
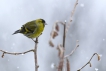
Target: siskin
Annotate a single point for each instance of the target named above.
(32, 29)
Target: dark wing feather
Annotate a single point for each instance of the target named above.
(31, 26)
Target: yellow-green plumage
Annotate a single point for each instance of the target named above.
(33, 28)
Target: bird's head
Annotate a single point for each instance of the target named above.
(41, 21)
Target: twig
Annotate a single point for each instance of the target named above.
(72, 13)
(60, 68)
(68, 64)
(64, 35)
(35, 55)
(77, 45)
(89, 62)
(5, 52)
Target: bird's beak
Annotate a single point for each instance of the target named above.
(18, 31)
(45, 23)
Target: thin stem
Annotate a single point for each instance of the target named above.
(77, 45)
(72, 13)
(64, 35)
(14, 53)
(35, 55)
(89, 62)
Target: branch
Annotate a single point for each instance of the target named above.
(89, 62)
(5, 52)
(68, 64)
(77, 45)
(72, 13)
(62, 58)
(64, 35)
(35, 55)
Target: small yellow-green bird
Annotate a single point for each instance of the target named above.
(32, 29)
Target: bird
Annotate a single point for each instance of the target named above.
(32, 29)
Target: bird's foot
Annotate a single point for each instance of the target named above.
(36, 41)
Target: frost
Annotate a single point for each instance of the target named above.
(96, 69)
(103, 39)
(82, 5)
(100, 55)
(65, 20)
(22, 54)
(52, 65)
(6, 51)
(17, 67)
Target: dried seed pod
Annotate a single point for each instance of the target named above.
(90, 64)
(98, 57)
(57, 27)
(51, 43)
(54, 34)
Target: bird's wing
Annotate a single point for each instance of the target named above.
(31, 26)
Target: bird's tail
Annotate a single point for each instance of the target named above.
(18, 31)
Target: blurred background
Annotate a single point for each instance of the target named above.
(88, 26)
